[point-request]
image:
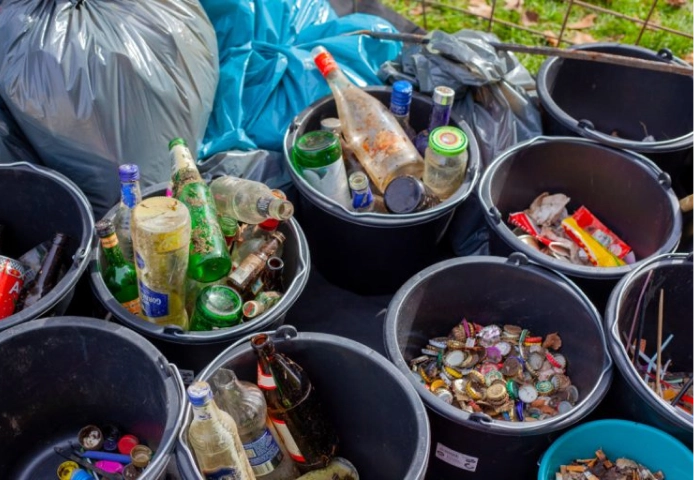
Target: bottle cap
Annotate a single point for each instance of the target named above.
(177, 141)
(129, 172)
(331, 124)
(401, 97)
(141, 455)
(131, 472)
(323, 60)
(127, 443)
(105, 228)
(443, 95)
(65, 470)
(111, 437)
(448, 141)
(80, 474)
(199, 393)
(404, 194)
(317, 149)
(279, 236)
(109, 466)
(90, 437)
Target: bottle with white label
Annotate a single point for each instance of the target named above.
(214, 438)
(294, 407)
(246, 404)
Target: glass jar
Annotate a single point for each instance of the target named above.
(445, 161)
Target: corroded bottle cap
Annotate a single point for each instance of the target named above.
(90, 437)
(443, 95)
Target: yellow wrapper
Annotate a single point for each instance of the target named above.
(598, 255)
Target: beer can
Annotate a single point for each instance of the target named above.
(12, 274)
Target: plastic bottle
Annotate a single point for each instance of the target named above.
(245, 402)
(130, 195)
(368, 127)
(248, 201)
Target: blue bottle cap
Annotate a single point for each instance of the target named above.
(80, 474)
(129, 172)
(401, 97)
(199, 393)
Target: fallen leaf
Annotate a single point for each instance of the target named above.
(676, 3)
(689, 58)
(580, 38)
(529, 18)
(586, 22)
(417, 10)
(551, 37)
(480, 8)
(514, 5)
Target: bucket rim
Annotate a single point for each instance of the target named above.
(289, 333)
(586, 129)
(382, 220)
(176, 335)
(616, 347)
(603, 424)
(170, 375)
(589, 401)
(79, 260)
(496, 223)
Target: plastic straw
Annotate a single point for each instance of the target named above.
(658, 389)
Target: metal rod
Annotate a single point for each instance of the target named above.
(658, 388)
(636, 310)
(681, 393)
(491, 16)
(648, 19)
(566, 19)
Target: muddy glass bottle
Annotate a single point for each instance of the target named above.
(130, 195)
(119, 276)
(248, 201)
(443, 98)
(294, 407)
(209, 255)
(246, 404)
(252, 266)
(217, 306)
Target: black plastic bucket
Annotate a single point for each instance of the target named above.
(629, 396)
(373, 253)
(193, 351)
(37, 203)
(625, 190)
(61, 374)
(380, 421)
(595, 99)
(493, 290)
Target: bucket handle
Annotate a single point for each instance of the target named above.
(283, 333)
(589, 131)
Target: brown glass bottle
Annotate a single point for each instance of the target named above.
(294, 407)
(253, 265)
(47, 277)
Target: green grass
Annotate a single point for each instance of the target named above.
(607, 28)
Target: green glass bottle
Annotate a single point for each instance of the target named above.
(209, 255)
(120, 276)
(217, 306)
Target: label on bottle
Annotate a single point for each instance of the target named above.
(325, 63)
(263, 453)
(224, 473)
(288, 440)
(257, 286)
(265, 381)
(128, 194)
(154, 304)
(362, 199)
(133, 306)
(110, 241)
(140, 261)
(241, 275)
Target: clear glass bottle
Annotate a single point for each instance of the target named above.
(252, 266)
(251, 238)
(400, 101)
(368, 127)
(318, 157)
(245, 403)
(130, 195)
(248, 201)
(119, 275)
(408, 195)
(217, 306)
(443, 98)
(47, 276)
(445, 161)
(294, 407)
(214, 438)
(161, 239)
(209, 255)
(363, 200)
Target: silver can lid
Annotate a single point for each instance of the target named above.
(443, 95)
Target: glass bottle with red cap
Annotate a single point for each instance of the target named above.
(369, 128)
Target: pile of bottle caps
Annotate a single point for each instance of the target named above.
(505, 372)
(103, 453)
(600, 468)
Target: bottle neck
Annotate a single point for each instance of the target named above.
(51, 264)
(183, 167)
(130, 194)
(337, 80)
(112, 252)
(440, 116)
(204, 412)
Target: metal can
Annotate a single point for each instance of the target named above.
(12, 275)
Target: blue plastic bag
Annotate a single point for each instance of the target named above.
(267, 75)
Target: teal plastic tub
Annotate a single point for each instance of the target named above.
(620, 438)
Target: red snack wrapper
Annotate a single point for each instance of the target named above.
(606, 237)
(524, 222)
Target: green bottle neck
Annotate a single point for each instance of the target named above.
(112, 252)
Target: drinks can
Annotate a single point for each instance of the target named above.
(12, 275)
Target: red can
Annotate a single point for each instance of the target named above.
(12, 275)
